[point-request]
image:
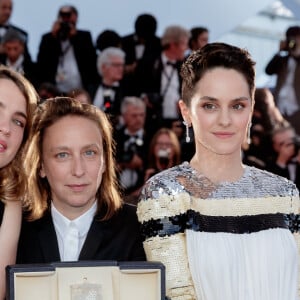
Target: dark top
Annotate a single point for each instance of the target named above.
(115, 239)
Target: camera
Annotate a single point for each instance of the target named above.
(65, 24)
(128, 154)
(64, 30)
(163, 158)
(131, 149)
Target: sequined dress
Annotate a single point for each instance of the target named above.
(229, 241)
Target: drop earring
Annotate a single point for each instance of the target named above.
(187, 132)
(249, 134)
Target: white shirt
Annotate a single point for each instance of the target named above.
(169, 90)
(71, 235)
(17, 65)
(3, 30)
(287, 101)
(67, 74)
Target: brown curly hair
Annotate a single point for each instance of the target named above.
(13, 181)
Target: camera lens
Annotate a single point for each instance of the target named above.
(163, 157)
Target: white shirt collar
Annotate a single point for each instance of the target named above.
(164, 59)
(83, 222)
(138, 133)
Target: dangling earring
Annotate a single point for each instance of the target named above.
(249, 134)
(187, 132)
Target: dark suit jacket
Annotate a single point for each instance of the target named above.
(152, 48)
(85, 55)
(29, 68)
(154, 74)
(134, 84)
(116, 239)
(278, 65)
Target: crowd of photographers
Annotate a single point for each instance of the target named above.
(136, 80)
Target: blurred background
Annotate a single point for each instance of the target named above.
(257, 25)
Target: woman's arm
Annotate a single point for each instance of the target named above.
(164, 239)
(9, 235)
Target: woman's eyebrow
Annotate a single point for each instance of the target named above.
(19, 113)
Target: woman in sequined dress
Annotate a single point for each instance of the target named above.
(17, 102)
(224, 230)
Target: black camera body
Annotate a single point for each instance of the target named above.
(64, 30)
(134, 147)
(129, 153)
(65, 24)
(163, 157)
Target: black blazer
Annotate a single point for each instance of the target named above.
(278, 65)
(152, 48)
(116, 239)
(29, 68)
(154, 74)
(84, 51)
(136, 83)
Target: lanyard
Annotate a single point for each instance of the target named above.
(169, 78)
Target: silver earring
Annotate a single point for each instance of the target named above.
(187, 132)
(249, 134)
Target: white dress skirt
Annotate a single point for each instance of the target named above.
(255, 266)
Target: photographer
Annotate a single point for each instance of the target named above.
(164, 152)
(286, 65)
(132, 145)
(67, 57)
(286, 159)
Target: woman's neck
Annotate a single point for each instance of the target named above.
(218, 168)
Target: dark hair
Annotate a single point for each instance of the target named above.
(70, 8)
(145, 26)
(37, 199)
(195, 32)
(108, 38)
(292, 31)
(211, 56)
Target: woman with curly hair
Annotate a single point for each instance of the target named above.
(17, 103)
